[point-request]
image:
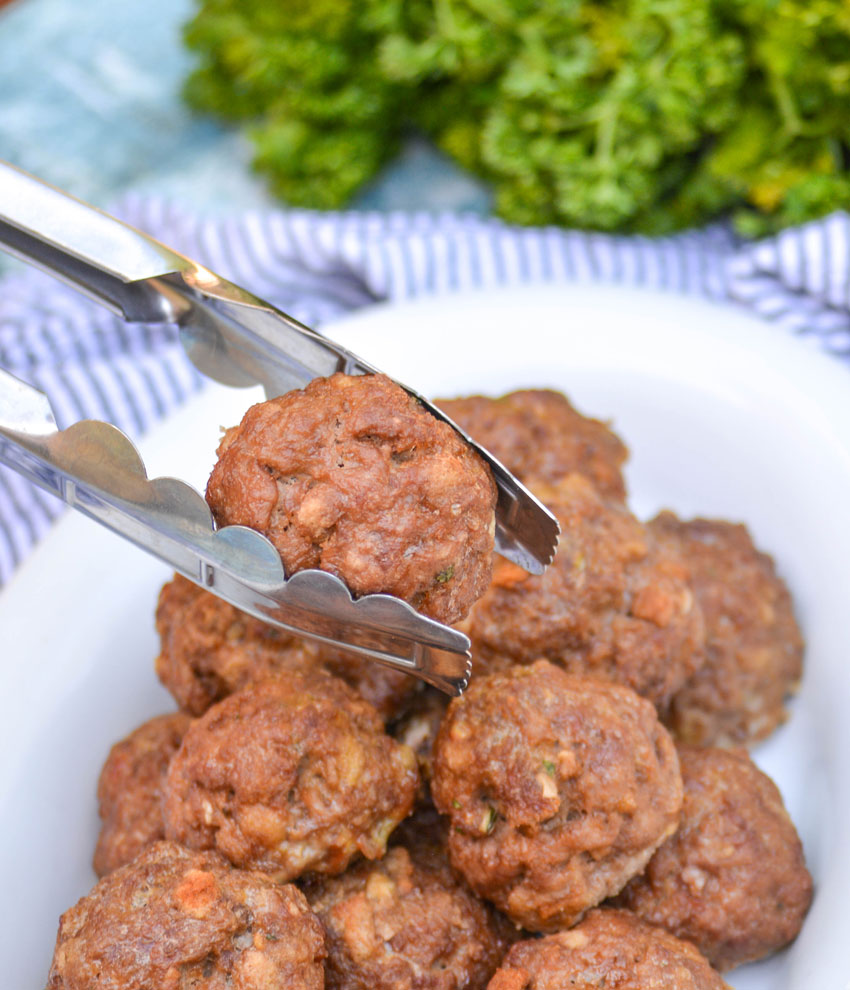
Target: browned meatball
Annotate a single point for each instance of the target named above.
(402, 924)
(353, 476)
(174, 919)
(291, 775)
(611, 605)
(538, 435)
(209, 649)
(733, 879)
(559, 789)
(610, 949)
(754, 650)
(130, 790)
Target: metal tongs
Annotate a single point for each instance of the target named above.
(239, 340)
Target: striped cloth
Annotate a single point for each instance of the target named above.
(318, 266)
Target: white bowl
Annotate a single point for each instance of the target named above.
(725, 417)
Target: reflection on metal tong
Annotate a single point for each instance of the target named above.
(236, 339)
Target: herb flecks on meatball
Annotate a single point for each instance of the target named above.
(291, 775)
(559, 789)
(353, 476)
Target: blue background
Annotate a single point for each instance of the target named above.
(90, 101)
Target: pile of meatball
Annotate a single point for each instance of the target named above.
(585, 815)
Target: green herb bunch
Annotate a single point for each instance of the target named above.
(640, 115)
(304, 73)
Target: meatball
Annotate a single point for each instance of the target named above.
(401, 923)
(174, 919)
(610, 949)
(209, 649)
(291, 775)
(353, 476)
(559, 790)
(613, 604)
(754, 650)
(538, 435)
(733, 879)
(129, 791)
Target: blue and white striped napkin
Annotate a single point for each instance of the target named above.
(317, 266)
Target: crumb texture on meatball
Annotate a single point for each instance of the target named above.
(754, 648)
(175, 920)
(353, 476)
(612, 950)
(209, 649)
(403, 924)
(539, 436)
(733, 879)
(130, 788)
(613, 604)
(291, 775)
(559, 789)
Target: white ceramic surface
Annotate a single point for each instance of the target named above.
(724, 416)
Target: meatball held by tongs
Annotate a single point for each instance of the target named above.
(237, 339)
(353, 476)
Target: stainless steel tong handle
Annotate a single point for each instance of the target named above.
(97, 254)
(231, 335)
